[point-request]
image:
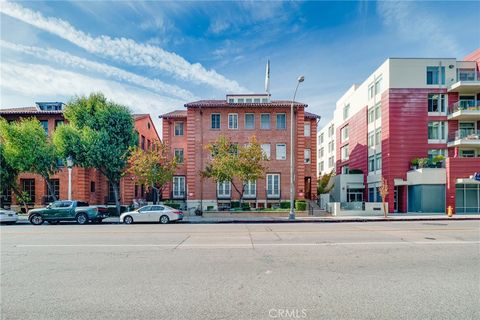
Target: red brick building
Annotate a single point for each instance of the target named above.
(87, 184)
(187, 132)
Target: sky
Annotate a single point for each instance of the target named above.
(155, 56)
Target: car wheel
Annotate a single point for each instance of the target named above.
(128, 220)
(53, 222)
(36, 219)
(164, 220)
(82, 218)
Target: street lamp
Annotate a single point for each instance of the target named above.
(291, 216)
(69, 166)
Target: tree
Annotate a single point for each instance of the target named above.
(235, 164)
(322, 183)
(27, 148)
(154, 167)
(99, 134)
(383, 189)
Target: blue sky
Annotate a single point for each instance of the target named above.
(155, 56)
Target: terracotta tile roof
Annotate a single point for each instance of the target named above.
(175, 114)
(310, 115)
(140, 116)
(28, 110)
(224, 103)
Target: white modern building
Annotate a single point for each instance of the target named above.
(326, 149)
(416, 123)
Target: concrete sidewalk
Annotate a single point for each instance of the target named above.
(227, 217)
(211, 218)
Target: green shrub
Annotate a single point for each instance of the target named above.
(285, 205)
(235, 204)
(172, 204)
(300, 205)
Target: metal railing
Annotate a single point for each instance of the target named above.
(464, 135)
(464, 105)
(357, 205)
(468, 76)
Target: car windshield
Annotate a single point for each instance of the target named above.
(66, 204)
(146, 208)
(56, 204)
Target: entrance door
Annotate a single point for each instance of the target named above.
(308, 187)
(395, 199)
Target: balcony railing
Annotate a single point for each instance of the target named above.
(464, 105)
(464, 135)
(468, 76)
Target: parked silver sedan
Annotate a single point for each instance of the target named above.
(152, 213)
(8, 216)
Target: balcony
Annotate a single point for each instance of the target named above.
(464, 138)
(464, 110)
(468, 81)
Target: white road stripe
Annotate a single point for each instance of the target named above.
(249, 245)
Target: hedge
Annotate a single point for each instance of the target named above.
(300, 205)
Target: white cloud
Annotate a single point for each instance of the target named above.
(106, 70)
(414, 23)
(123, 49)
(34, 80)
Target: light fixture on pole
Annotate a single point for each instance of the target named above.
(69, 166)
(291, 216)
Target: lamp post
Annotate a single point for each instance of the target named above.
(69, 166)
(291, 216)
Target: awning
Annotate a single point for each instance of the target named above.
(467, 181)
(400, 182)
(351, 185)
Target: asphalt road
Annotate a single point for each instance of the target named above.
(395, 270)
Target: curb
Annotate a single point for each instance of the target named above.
(327, 221)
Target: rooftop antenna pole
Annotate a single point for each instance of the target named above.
(267, 80)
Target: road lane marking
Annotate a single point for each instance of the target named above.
(240, 231)
(249, 245)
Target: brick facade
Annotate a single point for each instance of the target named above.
(87, 184)
(198, 133)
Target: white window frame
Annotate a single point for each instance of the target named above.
(233, 124)
(331, 162)
(175, 128)
(245, 118)
(307, 156)
(276, 121)
(344, 152)
(250, 189)
(273, 179)
(378, 110)
(180, 150)
(178, 187)
(443, 104)
(219, 121)
(278, 155)
(439, 133)
(344, 133)
(378, 136)
(224, 189)
(306, 129)
(261, 121)
(346, 111)
(371, 139)
(266, 149)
